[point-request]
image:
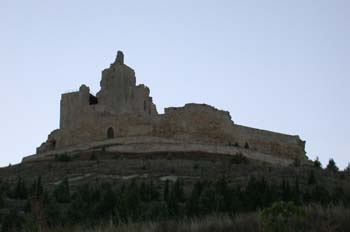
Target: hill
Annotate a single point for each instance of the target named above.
(105, 187)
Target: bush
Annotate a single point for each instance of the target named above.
(195, 166)
(2, 201)
(317, 163)
(12, 222)
(20, 191)
(332, 166)
(347, 169)
(278, 216)
(246, 145)
(93, 157)
(239, 158)
(311, 180)
(63, 158)
(61, 192)
(296, 162)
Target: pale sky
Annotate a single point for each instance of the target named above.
(279, 65)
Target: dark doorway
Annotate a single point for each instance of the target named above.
(110, 133)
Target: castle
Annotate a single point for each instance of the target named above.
(123, 118)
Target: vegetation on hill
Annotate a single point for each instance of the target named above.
(282, 204)
(144, 201)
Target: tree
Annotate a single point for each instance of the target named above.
(296, 192)
(296, 162)
(347, 169)
(320, 194)
(20, 191)
(62, 193)
(37, 189)
(53, 213)
(257, 194)
(178, 190)
(332, 166)
(278, 216)
(239, 158)
(223, 192)
(176, 197)
(317, 163)
(286, 191)
(2, 202)
(63, 158)
(148, 192)
(192, 204)
(166, 191)
(208, 200)
(311, 178)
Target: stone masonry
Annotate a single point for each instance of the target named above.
(124, 111)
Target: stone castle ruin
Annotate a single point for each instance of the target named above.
(123, 118)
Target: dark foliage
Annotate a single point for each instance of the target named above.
(239, 159)
(63, 158)
(246, 145)
(62, 193)
(144, 201)
(311, 178)
(20, 191)
(332, 166)
(317, 163)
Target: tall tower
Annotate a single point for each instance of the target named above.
(119, 93)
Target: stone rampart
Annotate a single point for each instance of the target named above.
(122, 109)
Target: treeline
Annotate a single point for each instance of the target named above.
(146, 201)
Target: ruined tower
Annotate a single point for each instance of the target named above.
(122, 117)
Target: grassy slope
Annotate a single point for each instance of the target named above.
(316, 219)
(95, 168)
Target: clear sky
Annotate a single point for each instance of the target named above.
(280, 65)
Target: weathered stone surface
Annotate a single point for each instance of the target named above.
(123, 109)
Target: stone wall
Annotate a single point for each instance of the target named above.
(127, 110)
(193, 123)
(205, 124)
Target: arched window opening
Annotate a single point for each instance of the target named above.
(110, 133)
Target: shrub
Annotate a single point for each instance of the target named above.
(20, 191)
(246, 145)
(296, 162)
(277, 217)
(93, 157)
(36, 189)
(332, 166)
(317, 163)
(12, 222)
(347, 169)
(2, 202)
(62, 192)
(311, 180)
(239, 158)
(195, 166)
(63, 158)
